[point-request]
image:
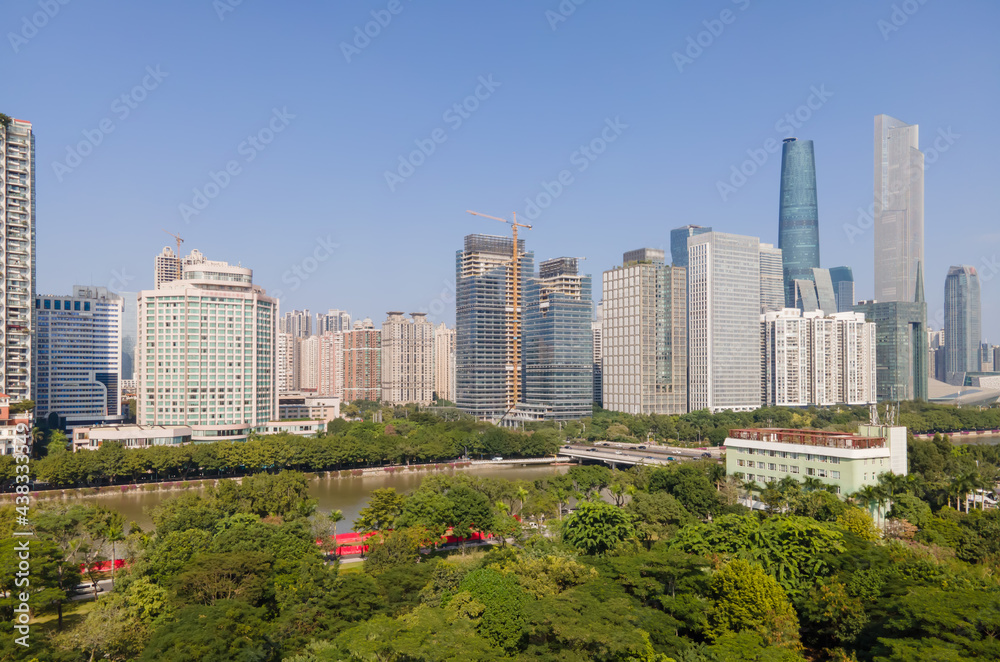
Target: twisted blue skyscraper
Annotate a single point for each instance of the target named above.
(798, 214)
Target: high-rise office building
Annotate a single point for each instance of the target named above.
(798, 214)
(407, 359)
(296, 322)
(811, 359)
(772, 289)
(963, 329)
(17, 268)
(724, 304)
(558, 345)
(78, 356)
(842, 279)
(899, 209)
(679, 243)
(444, 363)
(986, 357)
(336, 321)
(643, 335)
(206, 353)
(996, 358)
(816, 293)
(130, 332)
(486, 310)
(362, 362)
(597, 333)
(901, 352)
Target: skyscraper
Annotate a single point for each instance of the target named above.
(78, 356)
(444, 363)
(724, 304)
(679, 243)
(798, 214)
(901, 353)
(17, 268)
(558, 346)
(597, 332)
(843, 288)
(407, 359)
(206, 353)
(297, 322)
(333, 320)
(644, 335)
(309, 362)
(772, 291)
(287, 363)
(166, 267)
(130, 333)
(485, 311)
(331, 364)
(899, 209)
(963, 330)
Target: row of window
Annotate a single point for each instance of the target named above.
(792, 469)
(786, 454)
(56, 304)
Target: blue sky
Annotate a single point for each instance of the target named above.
(330, 113)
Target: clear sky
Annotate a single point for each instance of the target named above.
(331, 112)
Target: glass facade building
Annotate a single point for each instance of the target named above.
(78, 356)
(963, 330)
(485, 310)
(679, 243)
(558, 344)
(899, 209)
(798, 214)
(901, 345)
(843, 288)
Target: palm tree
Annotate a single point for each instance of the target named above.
(811, 484)
(114, 531)
(961, 486)
(522, 495)
(750, 487)
(868, 495)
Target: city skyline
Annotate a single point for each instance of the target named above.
(148, 172)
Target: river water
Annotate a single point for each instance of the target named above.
(347, 494)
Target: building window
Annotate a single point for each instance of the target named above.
(833, 474)
(86, 304)
(781, 467)
(739, 463)
(48, 304)
(770, 467)
(76, 304)
(59, 303)
(795, 469)
(810, 472)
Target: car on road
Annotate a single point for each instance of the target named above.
(606, 443)
(670, 459)
(641, 448)
(650, 457)
(592, 449)
(619, 453)
(497, 458)
(706, 455)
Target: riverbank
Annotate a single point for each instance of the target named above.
(60, 494)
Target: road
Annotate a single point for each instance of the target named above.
(624, 453)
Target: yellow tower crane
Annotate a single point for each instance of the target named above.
(516, 297)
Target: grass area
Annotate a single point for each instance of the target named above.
(73, 613)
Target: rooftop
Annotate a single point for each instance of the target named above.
(808, 437)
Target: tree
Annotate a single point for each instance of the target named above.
(335, 517)
(470, 512)
(745, 598)
(597, 527)
(657, 516)
(384, 506)
(224, 631)
(503, 620)
(392, 549)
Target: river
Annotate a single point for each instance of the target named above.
(347, 494)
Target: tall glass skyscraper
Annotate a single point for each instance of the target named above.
(558, 345)
(843, 288)
(484, 316)
(963, 330)
(798, 214)
(899, 209)
(679, 243)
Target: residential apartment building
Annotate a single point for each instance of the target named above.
(287, 352)
(17, 268)
(331, 364)
(166, 267)
(558, 345)
(333, 321)
(309, 363)
(644, 335)
(407, 359)
(444, 363)
(848, 462)
(724, 304)
(297, 323)
(78, 356)
(207, 353)
(363, 362)
(809, 359)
